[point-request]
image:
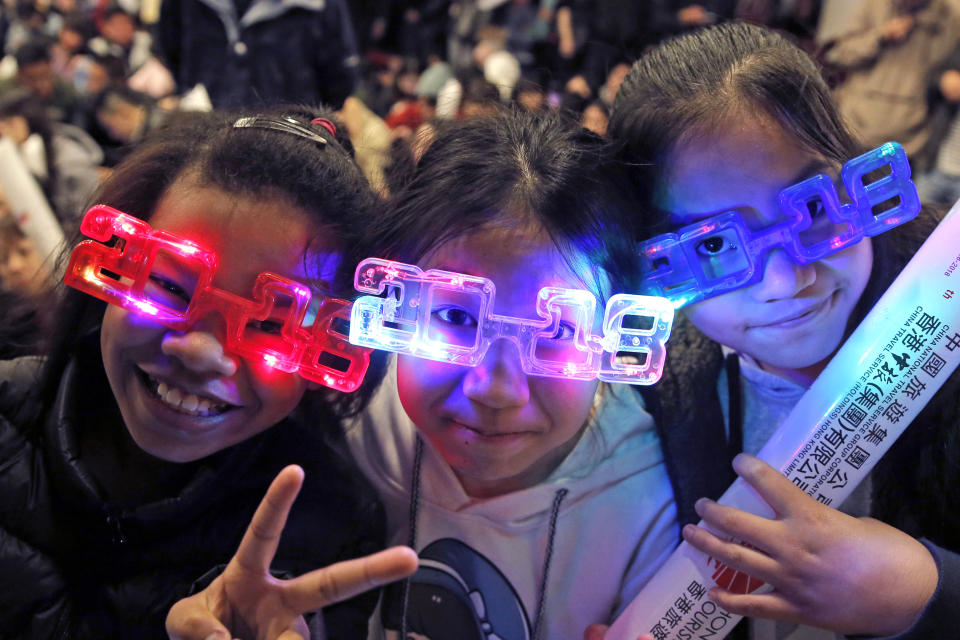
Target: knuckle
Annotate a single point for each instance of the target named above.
(725, 518)
(735, 555)
(750, 608)
(261, 532)
(328, 588)
(369, 578)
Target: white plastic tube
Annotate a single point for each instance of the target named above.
(885, 373)
(27, 202)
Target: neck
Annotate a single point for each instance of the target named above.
(804, 376)
(125, 472)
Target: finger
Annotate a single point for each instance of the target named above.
(344, 580)
(260, 541)
(188, 619)
(774, 487)
(758, 531)
(595, 632)
(750, 561)
(772, 606)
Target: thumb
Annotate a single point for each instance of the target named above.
(595, 632)
(190, 620)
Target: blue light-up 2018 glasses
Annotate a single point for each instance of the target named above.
(720, 253)
(448, 317)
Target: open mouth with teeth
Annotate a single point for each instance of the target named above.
(183, 401)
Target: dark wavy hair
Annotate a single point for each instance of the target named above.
(256, 163)
(517, 168)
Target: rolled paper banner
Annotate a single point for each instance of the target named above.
(879, 380)
(27, 203)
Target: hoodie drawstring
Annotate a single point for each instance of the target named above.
(412, 542)
(547, 558)
(412, 531)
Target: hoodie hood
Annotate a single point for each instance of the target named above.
(619, 442)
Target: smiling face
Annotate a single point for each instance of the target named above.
(794, 319)
(499, 429)
(181, 397)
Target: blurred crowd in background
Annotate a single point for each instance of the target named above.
(82, 81)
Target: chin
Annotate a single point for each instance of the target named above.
(798, 359)
(167, 451)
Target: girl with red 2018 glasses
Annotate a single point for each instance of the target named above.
(133, 457)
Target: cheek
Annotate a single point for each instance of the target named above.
(854, 266)
(279, 393)
(423, 383)
(119, 331)
(718, 317)
(567, 402)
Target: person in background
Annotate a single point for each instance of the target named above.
(255, 52)
(941, 183)
(888, 51)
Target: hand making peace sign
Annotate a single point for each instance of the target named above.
(246, 601)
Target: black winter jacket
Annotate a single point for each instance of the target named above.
(74, 564)
(294, 51)
(915, 486)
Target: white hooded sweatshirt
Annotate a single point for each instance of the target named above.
(483, 560)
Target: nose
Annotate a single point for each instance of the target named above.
(199, 350)
(498, 382)
(783, 278)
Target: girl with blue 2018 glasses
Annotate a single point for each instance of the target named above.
(719, 126)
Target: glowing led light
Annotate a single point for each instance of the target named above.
(308, 327)
(586, 356)
(695, 274)
(144, 307)
(188, 248)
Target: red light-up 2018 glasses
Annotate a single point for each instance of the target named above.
(282, 325)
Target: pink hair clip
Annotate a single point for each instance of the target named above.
(326, 124)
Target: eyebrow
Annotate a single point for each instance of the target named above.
(454, 268)
(814, 167)
(180, 266)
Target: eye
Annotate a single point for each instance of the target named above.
(273, 327)
(816, 208)
(714, 246)
(171, 287)
(565, 331)
(455, 316)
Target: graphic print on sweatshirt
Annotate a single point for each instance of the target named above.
(456, 594)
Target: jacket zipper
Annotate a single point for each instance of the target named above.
(113, 521)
